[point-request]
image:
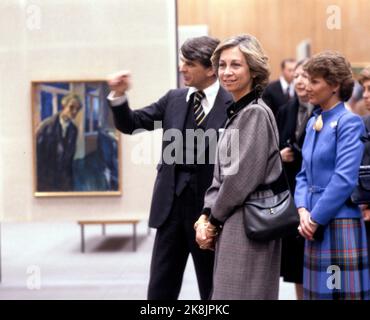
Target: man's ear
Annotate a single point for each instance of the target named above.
(211, 72)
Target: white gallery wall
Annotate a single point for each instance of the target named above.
(80, 40)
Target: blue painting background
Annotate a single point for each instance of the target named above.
(97, 169)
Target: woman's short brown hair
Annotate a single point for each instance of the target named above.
(254, 55)
(364, 75)
(334, 69)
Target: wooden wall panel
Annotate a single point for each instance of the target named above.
(356, 30)
(323, 37)
(281, 24)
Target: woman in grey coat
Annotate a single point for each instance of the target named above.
(247, 158)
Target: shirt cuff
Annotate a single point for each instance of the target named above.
(207, 211)
(318, 219)
(300, 204)
(217, 223)
(116, 101)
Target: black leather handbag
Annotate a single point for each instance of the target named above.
(361, 193)
(271, 217)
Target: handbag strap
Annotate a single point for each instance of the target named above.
(275, 186)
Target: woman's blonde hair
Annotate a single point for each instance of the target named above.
(364, 75)
(254, 55)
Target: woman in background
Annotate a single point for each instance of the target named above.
(292, 120)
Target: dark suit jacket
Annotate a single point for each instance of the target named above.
(55, 155)
(274, 96)
(287, 122)
(171, 109)
(366, 156)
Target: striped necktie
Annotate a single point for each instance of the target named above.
(199, 114)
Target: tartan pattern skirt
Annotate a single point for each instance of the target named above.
(337, 268)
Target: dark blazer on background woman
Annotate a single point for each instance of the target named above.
(287, 123)
(292, 246)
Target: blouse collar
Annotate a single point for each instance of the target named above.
(339, 106)
(242, 103)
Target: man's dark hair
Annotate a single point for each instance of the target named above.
(200, 49)
(282, 65)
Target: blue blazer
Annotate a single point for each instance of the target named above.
(331, 159)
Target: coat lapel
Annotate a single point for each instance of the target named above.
(217, 116)
(311, 141)
(292, 119)
(180, 111)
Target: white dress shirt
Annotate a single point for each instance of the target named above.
(285, 85)
(64, 125)
(210, 96)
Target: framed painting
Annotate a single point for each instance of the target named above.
(76, 147)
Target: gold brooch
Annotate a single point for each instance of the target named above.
(318, 123)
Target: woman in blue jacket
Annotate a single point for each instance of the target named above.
(336, 260)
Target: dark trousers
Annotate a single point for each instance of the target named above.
(175, 239)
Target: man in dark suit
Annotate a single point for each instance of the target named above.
(181, 180)
(279, 92)
(55, 147)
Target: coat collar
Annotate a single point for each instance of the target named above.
(241, 103)
(337, 110)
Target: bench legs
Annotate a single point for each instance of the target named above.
(134, 244)
(134, 236)
(82, 238)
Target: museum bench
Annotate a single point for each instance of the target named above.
(103, 223)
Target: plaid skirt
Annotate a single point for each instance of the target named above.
(337, 267)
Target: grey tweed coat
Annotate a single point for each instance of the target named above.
(247, 156)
